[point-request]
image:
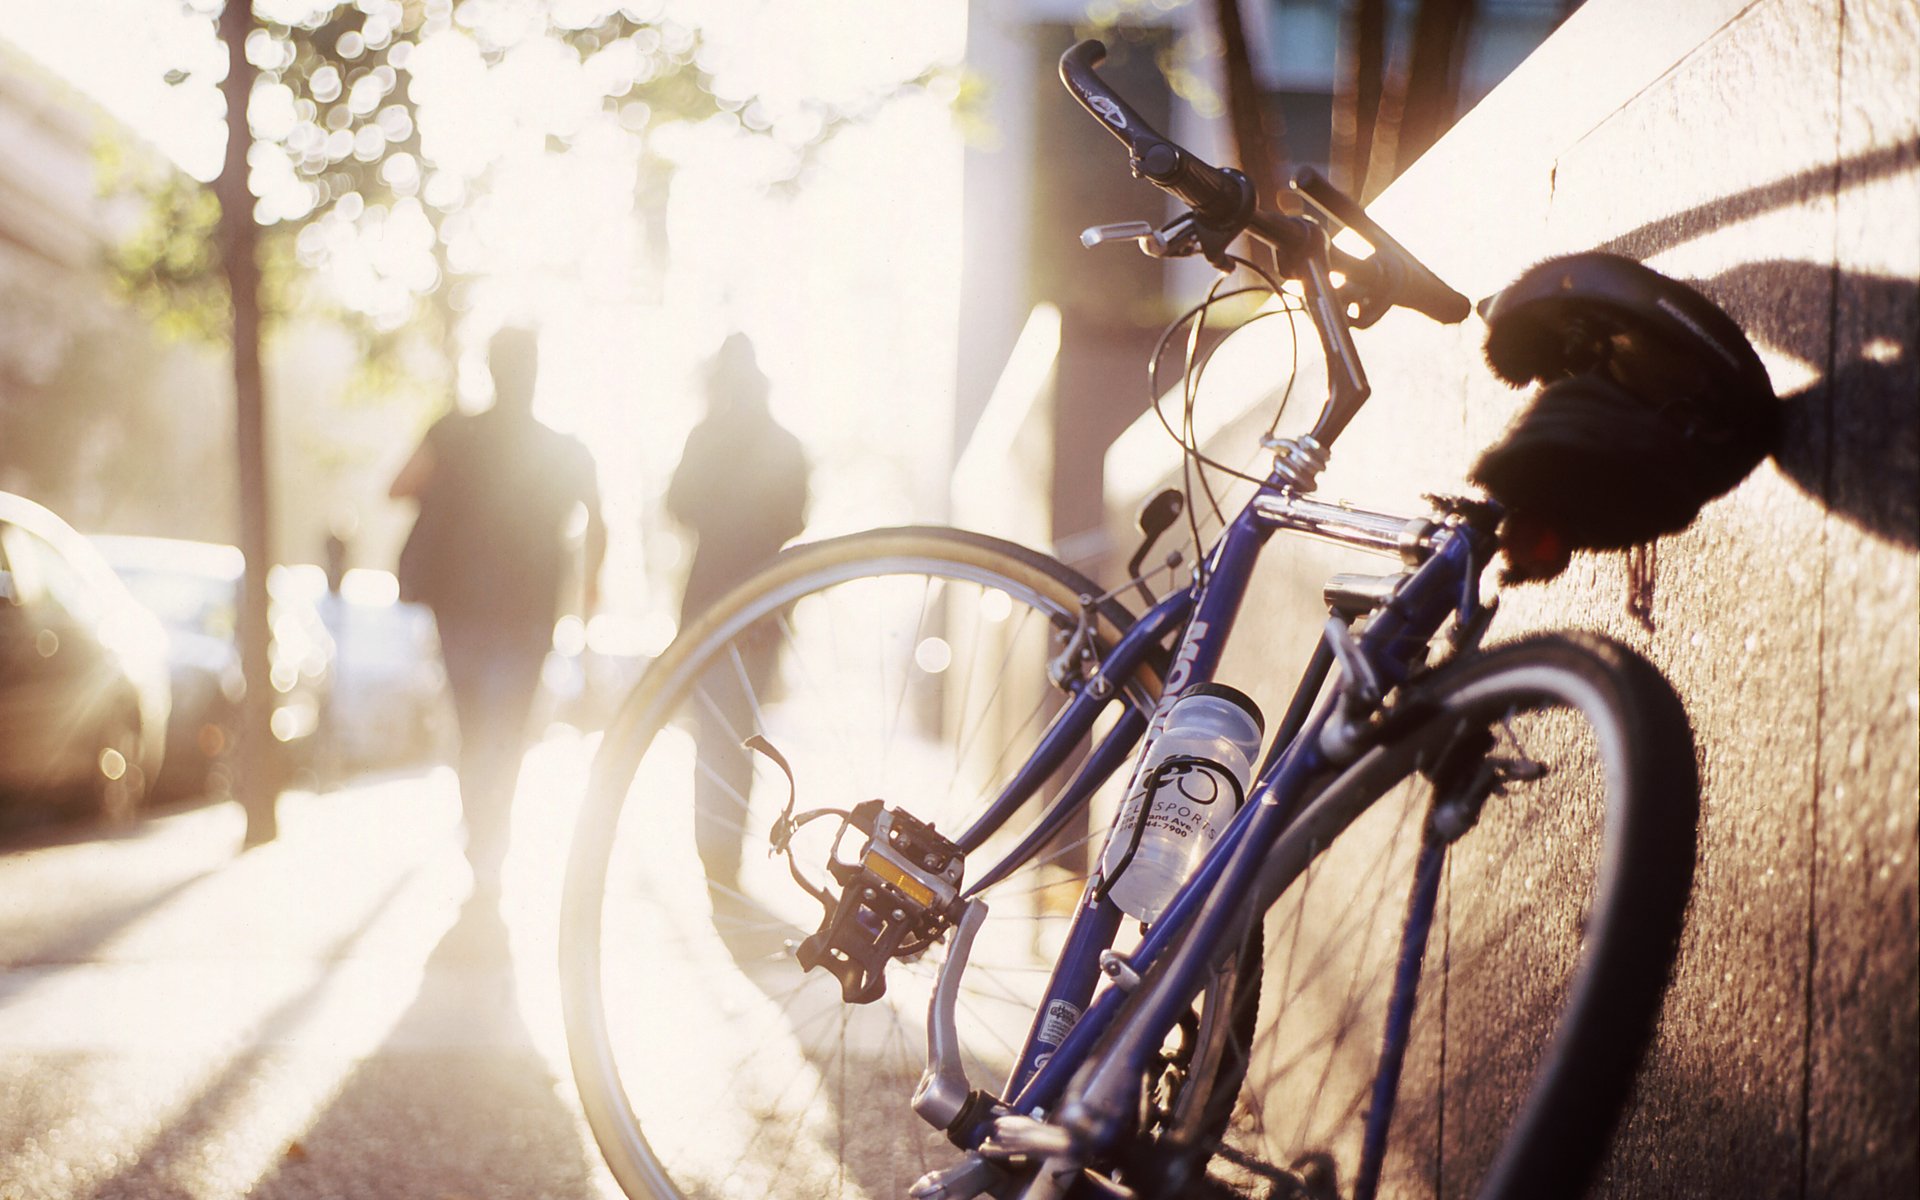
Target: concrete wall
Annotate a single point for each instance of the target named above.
(1768, 151)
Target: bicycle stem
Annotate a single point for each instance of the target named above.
(1347, 387)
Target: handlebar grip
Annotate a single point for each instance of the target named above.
(1215, 194)
(1417, 287)
(1424, 292)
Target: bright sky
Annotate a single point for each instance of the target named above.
(119, 52)
(848, 283)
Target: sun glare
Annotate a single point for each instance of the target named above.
(634, 241)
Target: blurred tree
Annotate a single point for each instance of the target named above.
(335, 155)
(1259, 134)
(1382, 120)
(1422, 97)
(1402, 73)
(238, 239)
(359, 149)
(1357, 92)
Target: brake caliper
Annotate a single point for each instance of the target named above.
(894, 900)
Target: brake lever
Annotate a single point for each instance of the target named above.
(1178, 238)
(1156, 517)
(1136, 231)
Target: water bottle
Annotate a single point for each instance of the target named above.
(1187, 785)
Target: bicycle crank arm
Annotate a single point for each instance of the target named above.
(943, 1093)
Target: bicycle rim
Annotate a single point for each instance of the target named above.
(905, 665)
(1555, 919)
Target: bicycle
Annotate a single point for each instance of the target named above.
(1268, 1033)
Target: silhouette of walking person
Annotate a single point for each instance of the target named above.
(489, 554)
(741, 488)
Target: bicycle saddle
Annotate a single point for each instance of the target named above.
(1652, 403)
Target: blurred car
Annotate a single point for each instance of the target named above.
(84, 695)
(389, 703)
(194, 589)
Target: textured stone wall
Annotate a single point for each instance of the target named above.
(1768, 152)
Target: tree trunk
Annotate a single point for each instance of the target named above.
(256, 785)
(1260, 141)
(1356, 105)
(1433, 79)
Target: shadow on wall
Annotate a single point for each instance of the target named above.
(1852, 438)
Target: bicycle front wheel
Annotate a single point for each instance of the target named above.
(906, 665)
(1531, 820)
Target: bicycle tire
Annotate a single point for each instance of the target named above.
(645, 1094)
(1516, 1079)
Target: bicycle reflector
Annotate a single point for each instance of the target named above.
(894, 901)
(1535, 549)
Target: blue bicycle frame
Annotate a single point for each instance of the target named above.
(1441, 580)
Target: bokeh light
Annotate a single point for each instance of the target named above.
(515, 171)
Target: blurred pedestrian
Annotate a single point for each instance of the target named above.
(741, 489)
(489, 554)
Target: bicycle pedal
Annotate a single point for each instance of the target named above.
(895, 901)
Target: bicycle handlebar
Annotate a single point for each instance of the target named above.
(1223, 205)
(1217, 195)
(1223, 198)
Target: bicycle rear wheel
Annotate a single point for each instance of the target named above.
(908, 665)
(1556, 907)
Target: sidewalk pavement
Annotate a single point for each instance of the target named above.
(306, 1019)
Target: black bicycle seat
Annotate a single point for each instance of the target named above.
(1653, 402)
(1653, 335)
